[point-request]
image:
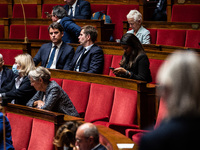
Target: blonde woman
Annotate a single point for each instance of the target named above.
(19, 90)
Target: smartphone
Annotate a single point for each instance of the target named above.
(48, 14)
(111, 68)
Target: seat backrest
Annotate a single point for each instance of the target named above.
(171, 37)
(1, 31)
(48, 8)
(192, 39)
(4, 10)
(162, 112)
(118, 17)
(30, 11)
(98, 7)
(154, 67)
(18, 31)
(42, 135)
(185, 13)
(44, 33)
(153, 35)
(100, 102)
(107, 63)
(59, 81)
(9, 55)
(124, 110)
(115, 63)
(21, 130)
(78, 92)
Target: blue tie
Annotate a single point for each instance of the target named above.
(52, 57)
(71, 12)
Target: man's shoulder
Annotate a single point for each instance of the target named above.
(83, 2)
(66, 46)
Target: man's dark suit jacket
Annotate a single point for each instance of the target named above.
(64, 57)
(22, 94)
(7, 76)
(82, 10)
(100, 147)
(180, 133)
(93, 60)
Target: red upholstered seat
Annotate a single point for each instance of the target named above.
(9, 55)
(115, 63)
(30, 11)
(78, 93)
(171, 37)
(154, 66)
(192, 39)
(39, 138)
(18, 31)
(124, 110)
(98, 7)
(1, 31)
(153, 35)
(4, 10)
(59, 81)
(136, 134)
(185, 13)
(107, 63)
(100, 103)
(118, 15)
(48, 8)
(21, 130)
(44, 33)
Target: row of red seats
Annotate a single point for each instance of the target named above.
(120, 111)
(170, 37)
(180, 13)
(173, 37)
(27, 131)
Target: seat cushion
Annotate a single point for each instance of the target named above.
(30, 11)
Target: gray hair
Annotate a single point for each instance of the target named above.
(179, 79)
(134, 14)
(59, 11)
(40, 72)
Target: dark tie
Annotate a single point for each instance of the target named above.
(52, 57)
(71, 12)
(80, 60)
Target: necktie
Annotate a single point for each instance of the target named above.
(71, 12)
(52, 57)
(80, 60)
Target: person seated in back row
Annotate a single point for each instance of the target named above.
(50, 96)
(78, 9)
(134, 19)
(56, 54)
(88, 56)
(71, 29)
(134, 63)
(6, 75)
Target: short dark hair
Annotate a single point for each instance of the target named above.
(59, 11)
(90, 30)
(56, 25)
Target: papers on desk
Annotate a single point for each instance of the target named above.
(125, 145)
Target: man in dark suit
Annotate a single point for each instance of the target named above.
(78, 9)
(71, 29)
(56, 54)
(88, 56)
(87, 137)
(6, 74)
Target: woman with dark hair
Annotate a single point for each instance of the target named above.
(134, 63)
